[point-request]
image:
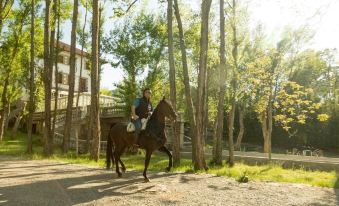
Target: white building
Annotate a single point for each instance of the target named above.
(63, 80)
(64, 70)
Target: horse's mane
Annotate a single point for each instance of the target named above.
(153, 125)
(155, 111)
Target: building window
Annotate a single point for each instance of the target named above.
(63, 59)
(88, 65)
(60, 59)
(60, 78)
(63, 78)
(83, 85)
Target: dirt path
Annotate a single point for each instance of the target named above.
(53, 183)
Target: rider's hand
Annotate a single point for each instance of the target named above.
(135, 117)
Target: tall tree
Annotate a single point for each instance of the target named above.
(94, 116)
(176, 140)
(57, 15)
(231, 114)
(200, 162)
(47, 82)
(82, 38)
(10, 51)
(31, 81)
(68, 123)
(188, 94)
(217, 156)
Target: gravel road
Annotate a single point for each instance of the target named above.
(42, 182)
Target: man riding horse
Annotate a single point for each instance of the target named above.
(141, 109)
(153, 138)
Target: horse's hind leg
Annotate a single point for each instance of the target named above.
(117, 157)
(119, 153)
(165, 150)
(147, 159)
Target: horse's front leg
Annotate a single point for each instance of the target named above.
(123, 168)
(147, 160)
(165, 150)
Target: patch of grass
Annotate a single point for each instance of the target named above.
(240, 172)
(17, 146)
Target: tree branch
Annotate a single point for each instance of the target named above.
(130, 6)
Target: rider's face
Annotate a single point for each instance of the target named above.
(148, 94)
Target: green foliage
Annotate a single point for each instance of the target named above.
(243, 178)
(106, 92)
(293, 105)
(13, 50)
(137, 45)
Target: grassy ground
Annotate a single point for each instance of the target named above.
(17, 147)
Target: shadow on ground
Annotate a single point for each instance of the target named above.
(76, 190)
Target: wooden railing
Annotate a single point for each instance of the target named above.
(112, 111)
(84, 100)
(81, 112)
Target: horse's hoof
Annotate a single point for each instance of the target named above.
(146, 180)
(119, 175)
(167, 169)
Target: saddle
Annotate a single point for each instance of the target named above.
(131, 127)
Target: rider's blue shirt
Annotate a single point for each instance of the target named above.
(136, 102)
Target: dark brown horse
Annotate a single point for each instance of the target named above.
(151, 139)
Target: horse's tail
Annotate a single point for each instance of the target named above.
(109, 150)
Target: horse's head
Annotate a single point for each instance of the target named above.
(166, 108)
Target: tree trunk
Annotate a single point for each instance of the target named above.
(205, 117)
(56, 69)
(81, 67)
(230, 134)
(200, 162)
(31, 105)
(234, 85)
(241, 128)
(269, 131)
(47, 83)
(3, 118)
(68, 123)
(188, 94)
(7, 117)
(217, 156)
(266, 126)
(17, 121)
(94, 117)
(5, 109)
(175, 136)
(81, 57)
